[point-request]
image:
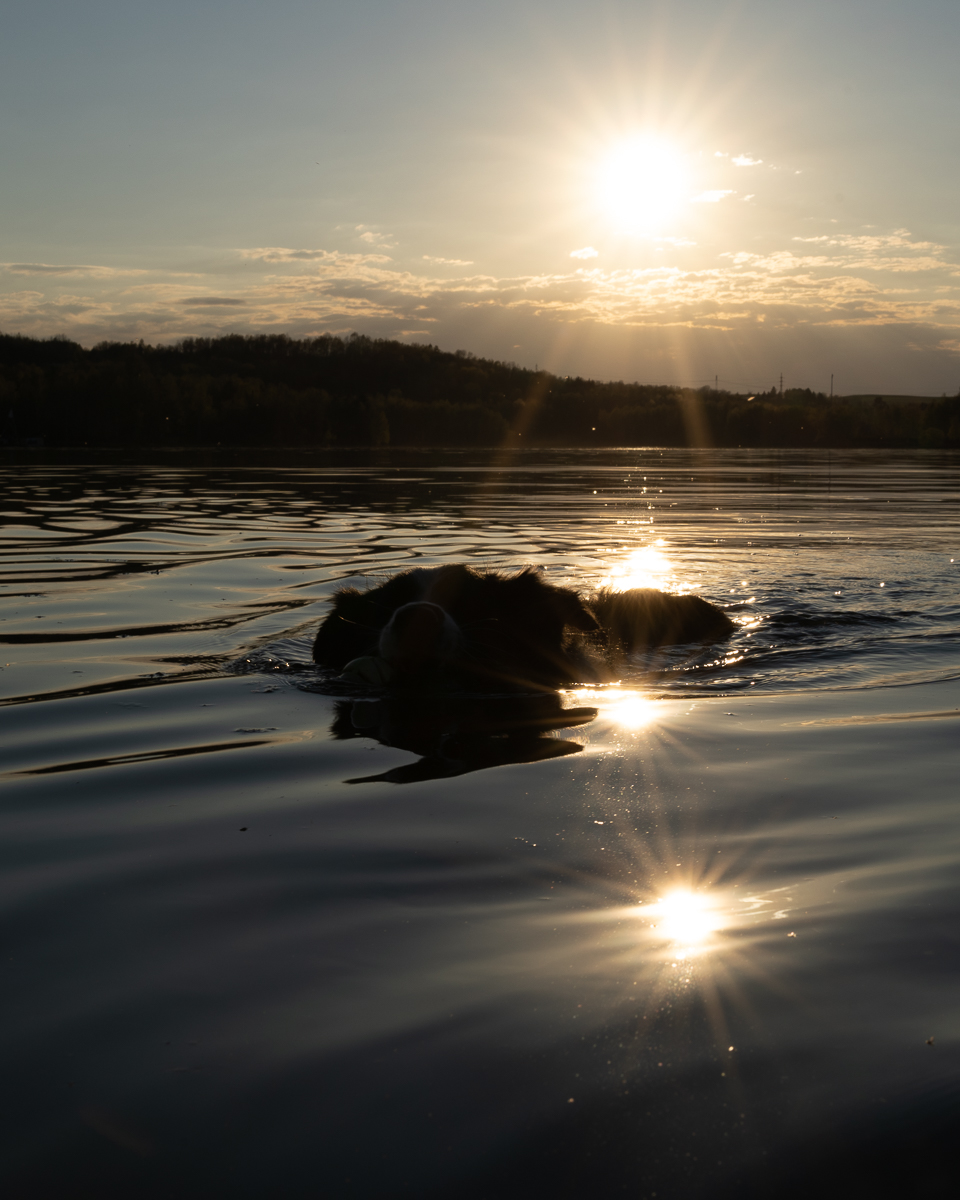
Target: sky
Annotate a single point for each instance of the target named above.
(670, 192)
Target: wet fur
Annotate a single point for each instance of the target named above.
(492, 630)
(644, 618)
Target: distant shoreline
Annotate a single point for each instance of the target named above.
(492, 458)
(273, 392)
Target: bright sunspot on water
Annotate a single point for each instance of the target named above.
(632, 711)
(648, 567)
(685, 918)
(620, 706)
(642, 184)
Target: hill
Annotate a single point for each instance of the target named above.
(272, 390)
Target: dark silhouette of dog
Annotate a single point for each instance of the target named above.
(457, 627)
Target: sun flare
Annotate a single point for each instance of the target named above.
(642, 184)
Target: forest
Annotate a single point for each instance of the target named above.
(273, 390)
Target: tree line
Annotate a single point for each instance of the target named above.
(273, 390)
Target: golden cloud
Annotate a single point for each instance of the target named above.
(847, 279)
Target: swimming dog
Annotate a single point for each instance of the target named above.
(491, 631)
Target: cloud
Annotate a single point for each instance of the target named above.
(214, 301)
(711, 197)
(744, 160)
(895, 252)
(373, 237)
(830, 281)
(278, 254)
(448, 262)
(325, 257)
(66, 270)
(828, 284)
(899, 240)
(586, 252)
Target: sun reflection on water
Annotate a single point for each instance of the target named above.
(688, 932)
(647, 567)
(620, 706)
(631, 711)
(685, 918)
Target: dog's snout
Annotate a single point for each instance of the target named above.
(416, 633)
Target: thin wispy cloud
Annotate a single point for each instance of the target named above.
(585, 252)
(69, 269)
(279, 254)
(374, 237)
(276, 254)
(213, 301)
(899, 239)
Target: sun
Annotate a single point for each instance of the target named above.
(642, 184)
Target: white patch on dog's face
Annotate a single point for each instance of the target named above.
(436, 638)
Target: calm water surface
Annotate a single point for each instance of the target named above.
(264, 937)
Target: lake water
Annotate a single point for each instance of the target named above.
(262, 937)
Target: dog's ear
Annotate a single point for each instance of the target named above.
(449, 585)
(344, 597)
(575, 612)
(565, 602)
(359, 608)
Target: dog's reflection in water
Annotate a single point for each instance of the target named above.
(455, 735)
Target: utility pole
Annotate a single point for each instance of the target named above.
(831, 387)
(781, 383)
(716, 383)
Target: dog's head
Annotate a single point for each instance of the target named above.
(523, 634)
(418, 636)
